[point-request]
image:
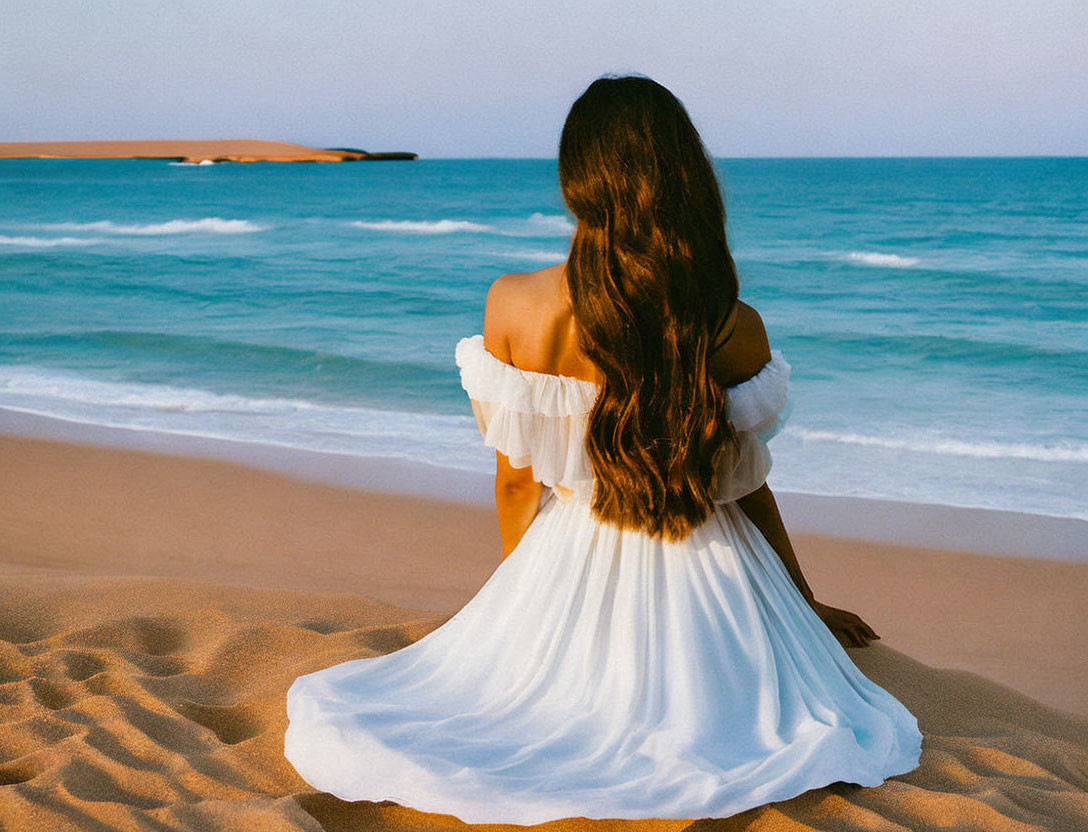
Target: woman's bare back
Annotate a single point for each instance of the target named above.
(528, 322)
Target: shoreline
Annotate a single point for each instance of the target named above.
(983, 531)
(157, 608)
(82, 512)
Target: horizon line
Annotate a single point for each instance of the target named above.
(829, 157)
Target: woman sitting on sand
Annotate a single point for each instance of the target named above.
(648, 646)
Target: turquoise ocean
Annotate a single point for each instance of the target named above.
(934, 311)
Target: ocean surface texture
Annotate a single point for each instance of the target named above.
(935, 311)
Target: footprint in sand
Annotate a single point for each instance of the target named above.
(232, 724)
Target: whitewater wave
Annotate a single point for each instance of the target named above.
(452, 441)
(535, 225)
(439, 439)
(160, 397)
(954, 447)
(876, 258)
(49, 242)
(207, 225)
(534, 255)
(553, 224)
(425, 226)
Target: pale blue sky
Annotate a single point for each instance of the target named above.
(486, 78)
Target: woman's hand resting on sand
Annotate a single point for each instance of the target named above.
(847, 626)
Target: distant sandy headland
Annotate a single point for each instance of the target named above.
(194, 152)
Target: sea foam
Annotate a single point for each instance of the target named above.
(207, 225)
(425, 226)
(982, 450)
(77, 389)
(549, 224)
(876, 258)
(538, 256)
(48, 242)
(446, 440)
(535, 225)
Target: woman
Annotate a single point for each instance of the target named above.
(648, 646)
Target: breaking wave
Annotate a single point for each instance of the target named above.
(876, 258)
(48, 242)
(207, 225)
(954, 447)
(425, 226)
(535, 225)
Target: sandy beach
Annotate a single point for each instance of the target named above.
(156, 608)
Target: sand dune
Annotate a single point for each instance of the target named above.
(142, 682)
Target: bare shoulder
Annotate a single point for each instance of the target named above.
(516, 303)
(747, 350)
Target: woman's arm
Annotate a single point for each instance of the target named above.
(762, 509)
(745, 354)
(517, 494)
(517, 498)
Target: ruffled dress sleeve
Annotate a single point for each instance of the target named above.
(535, 419)
(758, 409)
(539, 420)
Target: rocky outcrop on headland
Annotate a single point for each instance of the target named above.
(354, 154)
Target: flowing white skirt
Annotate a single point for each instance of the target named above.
(604, 674)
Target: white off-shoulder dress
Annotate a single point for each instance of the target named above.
(600, 672)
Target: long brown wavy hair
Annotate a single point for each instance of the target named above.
(651, 281)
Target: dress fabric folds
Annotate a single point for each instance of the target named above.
(599, 672)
